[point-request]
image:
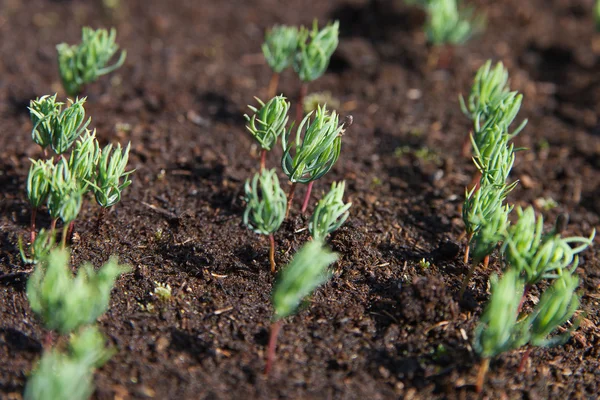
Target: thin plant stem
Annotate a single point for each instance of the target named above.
(65, 233)
(273, 84)
(263, 159)
(483, 369)
(53, 226)
(524, 360)
(486, 261)
(32, 226)
(523, 298)
(100, 218)
(307, 196)
(468, 249)
(290, 199)
(275, 328)
(272, 253)
(465, 281)
(300, 104)
(466, 146)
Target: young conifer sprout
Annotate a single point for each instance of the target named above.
(84, 159)
(310, 156)
(268, 123)
(330, 213)
(265, 207)
(65, 198)
(315, 48)
(38, 188)
(489, 87)
(450, 23)
(69, 375)
(84, 63)
(40, 247)
(279, 50)
(42, 112)
(307, 271)
(63, 302)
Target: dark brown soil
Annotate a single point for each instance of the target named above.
(384, 327)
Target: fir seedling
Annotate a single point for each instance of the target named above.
(489, 88)
(43, 112)
(69, 375)
(268, 123)
(40, 247)
(279, 50)
(315, 48)
(65, 198)
(310, 156)
(536, 255)
(497, 330)
(450, 23)
(306, 272)
(330, 213)
(84, 159)
(84, 63)
(38, 188)
(63, 302)
(265, 207)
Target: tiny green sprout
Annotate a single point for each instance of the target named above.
(497, 330)
(111, 178)
(315, 153)
(279, 49)
(489, 87)
(268, 123)
(84, 63)
(556, 306)
(330, 213)
(69, 375)
(448, 22)
(537, 255)
(42, 112)
(84, 159)
(38, 188)
(63, 302)
(162, 291)
(265, 207)
(424, 264)
(307, 271)
(315, 48)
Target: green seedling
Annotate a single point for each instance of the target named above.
(38, 188)
(497, 329)
(536, 255)
(84, 159)
(86, 62)
(268, 123)
(279, 49)
(57, 127)
(307, 271)
(40, 247)
(265, 207)
(330, 213)
(162, 291)
(69, 375)
(310, 156)
(314, 100)
(315, 48)
(65, 198)
(490, 86)
(63, 302)
(450, 23)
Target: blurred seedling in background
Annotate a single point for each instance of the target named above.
(265, 207)
(307, 271)
(279, 49)
(84, 63)
(315, 48)
(162, 291)
(322, 99)
(268, 123)
(314, 151)
(330, 213)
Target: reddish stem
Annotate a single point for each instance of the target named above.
(524, 360)
(272, 253)
(263, 159)
(525, 292)
(300, 104)
(100, 218)
(275, 328)
(307, 196)
(273, 84)
(290, 199)
(32, 227)
(466, 146)
(483, 369)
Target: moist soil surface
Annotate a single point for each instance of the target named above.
(386, 325)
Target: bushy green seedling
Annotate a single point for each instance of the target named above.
(65, 198)
(84, 159)
(450, 23)
(537, 255)
(306, 272)
(111, 177)
(69, 375)
(268, 123)
(265, 207)
(38, 188)
(57, 127)
(330, 213)
(490, 86)
(315, 48)
(279, 49)
(310, 156)
(40, 247)
(63, 302)
(84, 63)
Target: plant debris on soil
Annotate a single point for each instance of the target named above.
(384, 326)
